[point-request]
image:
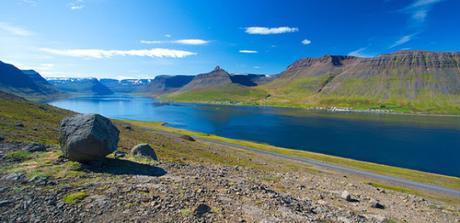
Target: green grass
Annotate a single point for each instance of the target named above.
(40, 121)
(19, 155)
(389, 91)
(423, 177)
(75, 197)
(229, 94)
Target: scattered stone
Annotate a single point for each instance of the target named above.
(144, 150)
(377, 204)
(127, 127)
(35, 148)
(346, 196)
(119, 154)
(17, 177)
(87, 137)
(39, 180)
(2, 138)
(187, 137)
(201, 210)
(20, 124)
(4, 202)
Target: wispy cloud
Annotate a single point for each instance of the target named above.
(359, 53)
(306, 42)
(14, 30)
(77, 5)
(402, 40)
(419, 9)
(259, 30)
(180, 41)
(248, 51)
(99, 53)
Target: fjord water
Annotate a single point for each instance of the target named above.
(426, 143)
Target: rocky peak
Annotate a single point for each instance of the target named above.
(217, 68)
(333, 60)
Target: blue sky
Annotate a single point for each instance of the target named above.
(125, 39)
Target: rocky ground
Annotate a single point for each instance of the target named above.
(126, 190)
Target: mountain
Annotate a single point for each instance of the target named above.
(220, 86)
(166, 84)
(405, 81)
(215, 78)
(28, 84)
(126, 85)
(82, 86)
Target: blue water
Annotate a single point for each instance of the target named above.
(424, 143)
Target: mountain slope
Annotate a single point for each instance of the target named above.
(126, 85)
(82, 86)
(215, 78)
(165, 84)
(28, 84)
(404, 81)
(220, 86)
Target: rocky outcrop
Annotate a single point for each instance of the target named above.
(88, 137)
(144, 150)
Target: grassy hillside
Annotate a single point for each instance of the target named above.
(406, 81)
(227, 94)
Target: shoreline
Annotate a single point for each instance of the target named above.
(428, 178)
(330, 109)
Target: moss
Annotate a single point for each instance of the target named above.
(75, 197)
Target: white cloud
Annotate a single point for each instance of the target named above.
(180, 41)
(77, 5)
(267, 30)
(14, 30)
(99, 53)
(359, 53)
(248, 51)
(151, 41)
(419, 9)
(402, 40)
(168, 35)
(306, 42)
(191, 41)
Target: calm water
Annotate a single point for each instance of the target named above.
(418, 142)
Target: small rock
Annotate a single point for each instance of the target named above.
(40, 180)
(127, 127)
(119, 154)
(2, 138)
(4, 202)
(19, 124)
(18, 177)
(346, 196)
(144, 150)
(201, 210)
(187, 137)
(377, 204)
(35, 148)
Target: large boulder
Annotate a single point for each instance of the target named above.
(144, 150)
(88, 137)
